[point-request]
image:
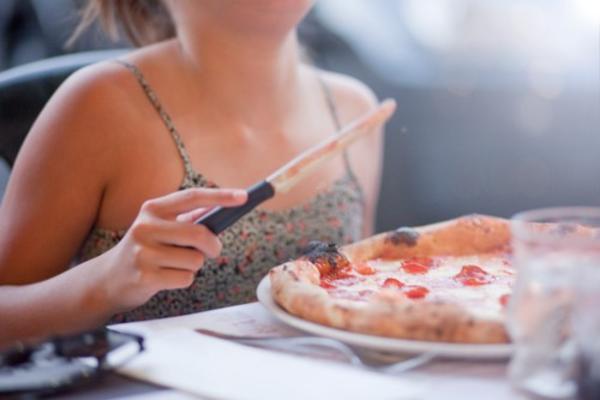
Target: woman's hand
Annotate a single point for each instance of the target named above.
(163, 249)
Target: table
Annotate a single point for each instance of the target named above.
(441, 379)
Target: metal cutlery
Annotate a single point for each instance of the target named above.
(334, 349)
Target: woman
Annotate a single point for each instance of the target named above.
(216, 94)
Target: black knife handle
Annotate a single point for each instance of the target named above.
(220, 218)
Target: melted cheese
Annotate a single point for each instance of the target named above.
(481, 301)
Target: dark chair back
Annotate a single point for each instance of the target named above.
(24, 91)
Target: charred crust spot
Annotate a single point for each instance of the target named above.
(285, 267)
(403, 236)
(317, 250)
(317, 245)
(471, 322)
(325, 256)
(439, 332)
(294, 276)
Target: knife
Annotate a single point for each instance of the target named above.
(282, 180)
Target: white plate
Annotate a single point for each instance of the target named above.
(391, 345)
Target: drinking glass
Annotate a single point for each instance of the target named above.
(553, 251)
(586, 331)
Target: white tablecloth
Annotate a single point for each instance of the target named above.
(442, 379)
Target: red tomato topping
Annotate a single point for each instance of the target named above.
(330, 266)
(472, 270)
(326, 285)
(473, 275)
(324, 267)
(413, 267)
(341, 274)
(392, 283)
(426, 261)
(365, 269)
(504, 299)
(415, 292)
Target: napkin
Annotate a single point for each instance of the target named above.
(215, 368)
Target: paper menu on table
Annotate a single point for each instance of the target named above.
(214, 368)
(246, 319)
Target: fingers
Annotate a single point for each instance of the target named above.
(180, 234)
(170, 278)
(186, 200)
(193, 216)
(163, 267)
(167, 248)
(173, 257)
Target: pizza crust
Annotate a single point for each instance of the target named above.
(473, 234)
(295, 286)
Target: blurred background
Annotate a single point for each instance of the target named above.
(499, 100)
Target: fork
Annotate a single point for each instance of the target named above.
(360, 357)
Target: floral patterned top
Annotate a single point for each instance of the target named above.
(260, 240)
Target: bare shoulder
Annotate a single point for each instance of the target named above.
(91, 91)
(352, 99)
(86, 114)
(352, 96)
(68, 158)
(104, 101)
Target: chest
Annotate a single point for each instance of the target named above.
(159, 161)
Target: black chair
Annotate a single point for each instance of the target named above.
(24, 91)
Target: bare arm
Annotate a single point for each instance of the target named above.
(51, 202)
(54, 190)
(158, 252)
(69, 302)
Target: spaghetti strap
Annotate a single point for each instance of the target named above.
(153, 98)
(331, 104)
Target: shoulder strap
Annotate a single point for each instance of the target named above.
(330, 103)
(151, 95)
(333, 110)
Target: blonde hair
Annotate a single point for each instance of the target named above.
(142, 21)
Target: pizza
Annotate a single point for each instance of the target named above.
(447, 282)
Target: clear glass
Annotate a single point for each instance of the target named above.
(552, 250)
(586, 331)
